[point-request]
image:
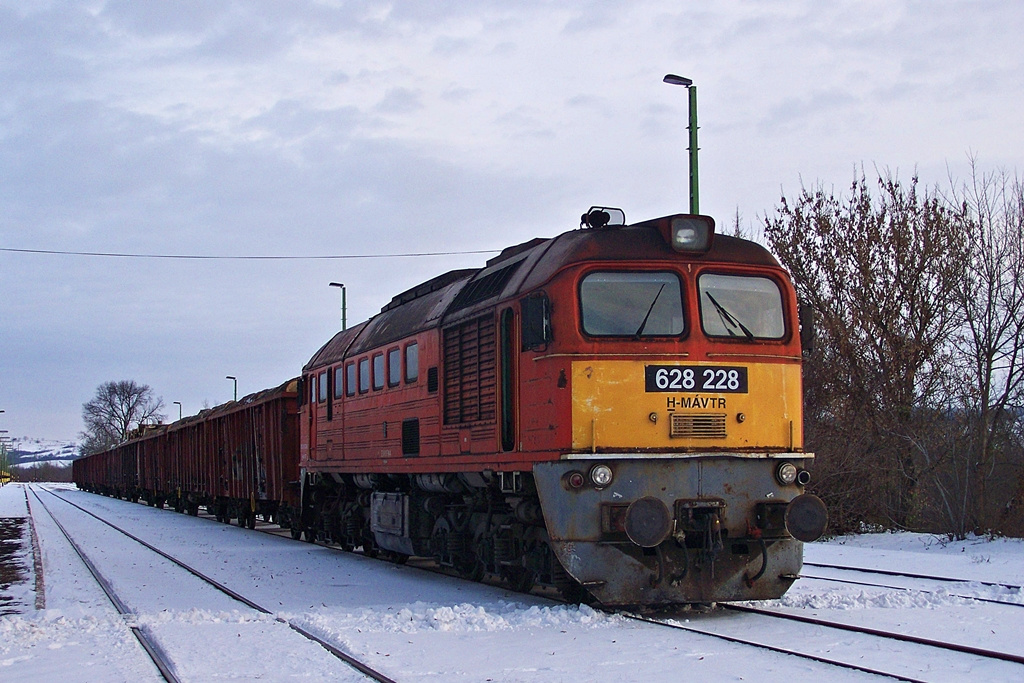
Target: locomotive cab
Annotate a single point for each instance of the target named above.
(684, 480)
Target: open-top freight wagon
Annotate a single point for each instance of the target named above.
(238, 460)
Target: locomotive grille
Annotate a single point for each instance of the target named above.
(697, 426)
(470, 371)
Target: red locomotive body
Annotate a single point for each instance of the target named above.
(508, 420)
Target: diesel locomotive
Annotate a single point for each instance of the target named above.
(615, 412)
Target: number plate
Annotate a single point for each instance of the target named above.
(676, 378)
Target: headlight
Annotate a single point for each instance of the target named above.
(601, 475)
(786, 473)
(691, 233)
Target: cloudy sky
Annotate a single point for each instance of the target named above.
(334, 128)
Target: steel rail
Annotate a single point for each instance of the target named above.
(773, 648)
(868, 584)
(356, 664)
(891, 635)
(888, 572)
(155, 652)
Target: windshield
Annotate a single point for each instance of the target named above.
(632, 305)
(740, 306)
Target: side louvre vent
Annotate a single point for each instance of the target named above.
(411, 437)
(697, 426)
(470, 371)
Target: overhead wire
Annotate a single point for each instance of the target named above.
(201, 257)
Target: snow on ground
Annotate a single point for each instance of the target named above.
(416, 625)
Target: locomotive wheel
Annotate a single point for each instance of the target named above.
(393, 557)
(575, 593)
(472, 570)
(569, 587)
(519, 579)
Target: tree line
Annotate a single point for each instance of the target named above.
(914, 394)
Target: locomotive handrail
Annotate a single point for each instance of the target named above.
(644, 455)
(753, 355)
(682, 354)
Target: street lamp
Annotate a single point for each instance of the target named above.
(672, 79)
(344, 326)
(178, 403)
(235, 380)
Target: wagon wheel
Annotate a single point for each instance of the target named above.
(250, 521)
(296, 532)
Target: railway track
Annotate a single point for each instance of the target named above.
(916, 577)
(149, 645)
(910, 575)
(821, 659)
(160, 658)
(833, 660)
(891, 670)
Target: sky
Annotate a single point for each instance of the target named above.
(371, 129)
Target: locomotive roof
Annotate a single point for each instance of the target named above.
(519, 269)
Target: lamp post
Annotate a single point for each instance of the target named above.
(344, 326)
(672, 79)
(178, 403)
(4, 465)
(235, 380)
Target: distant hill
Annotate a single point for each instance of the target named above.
(26, 451)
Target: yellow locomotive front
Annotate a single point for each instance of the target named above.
(684, 480)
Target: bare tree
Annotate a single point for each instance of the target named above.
(879, 271)
(991, 344)
(117, 409)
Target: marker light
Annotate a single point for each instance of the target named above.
(601, 475)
